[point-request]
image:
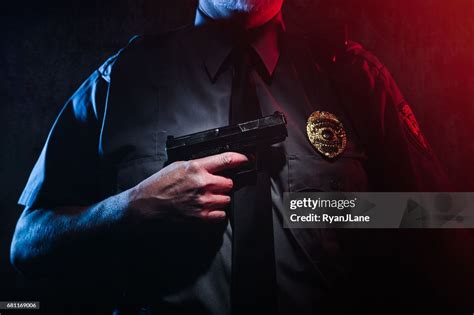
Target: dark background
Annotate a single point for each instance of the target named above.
(48, 48)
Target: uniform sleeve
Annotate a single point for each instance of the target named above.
(399, 156)
(66, 172)
(410, 164)
(402, 159)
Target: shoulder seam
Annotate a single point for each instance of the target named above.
(359, 51)
(106, 68)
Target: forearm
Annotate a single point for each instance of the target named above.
(68, 238)
(99, 237)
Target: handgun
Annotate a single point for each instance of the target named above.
(246, 138)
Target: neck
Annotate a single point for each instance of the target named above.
(240, 19)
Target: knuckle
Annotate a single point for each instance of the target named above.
(226, 159)
(192, 166)
(201, 200)
(200, 182)
(204, 215)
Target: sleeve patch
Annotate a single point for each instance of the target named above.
(409, 120)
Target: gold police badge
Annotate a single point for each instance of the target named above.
(326, 133)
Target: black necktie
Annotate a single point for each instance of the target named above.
(253, 285)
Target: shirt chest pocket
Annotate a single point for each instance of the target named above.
(146, 161)
(309, 173)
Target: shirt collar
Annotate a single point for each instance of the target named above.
(218, 41)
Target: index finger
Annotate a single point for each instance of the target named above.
(223, 161)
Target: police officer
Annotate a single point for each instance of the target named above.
(100, 201)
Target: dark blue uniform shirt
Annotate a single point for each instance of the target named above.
(111, 135)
